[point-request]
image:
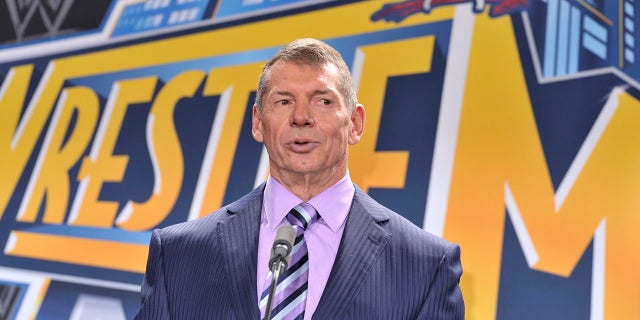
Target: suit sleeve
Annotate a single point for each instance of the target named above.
(444, 300)
(154, 303)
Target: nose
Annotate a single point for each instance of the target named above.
(301, 116)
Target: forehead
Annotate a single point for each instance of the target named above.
(295, 75)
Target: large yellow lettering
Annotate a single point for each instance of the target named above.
(17, 139)
(235, 85)
(500, 164)
(101, 165)
(50, 176)
(24, 138)
(368, 167)
(12, 96)
(19, 134)
(166, 155)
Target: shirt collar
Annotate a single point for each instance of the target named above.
(332, 204)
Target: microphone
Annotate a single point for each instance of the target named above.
(281, 248)
(279, 260)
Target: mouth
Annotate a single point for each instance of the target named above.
(301, 145)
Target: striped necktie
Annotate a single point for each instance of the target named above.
(291, 292)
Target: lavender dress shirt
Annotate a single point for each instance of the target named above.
(322, 237)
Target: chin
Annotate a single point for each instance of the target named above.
(304, 168)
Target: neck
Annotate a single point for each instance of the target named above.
(306, 186)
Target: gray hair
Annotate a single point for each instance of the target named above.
(313, 53)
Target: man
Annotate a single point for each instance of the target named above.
(360, 260)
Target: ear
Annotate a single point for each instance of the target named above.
(256, 125)
(357, 124)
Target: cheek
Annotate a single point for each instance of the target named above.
(270, 133)
(339, 141)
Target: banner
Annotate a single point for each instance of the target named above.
(509, 127)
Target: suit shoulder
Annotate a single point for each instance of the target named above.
(207, 224)
(403, 231)
(188, 227)
(407, 233)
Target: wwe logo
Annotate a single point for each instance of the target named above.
(49, 13)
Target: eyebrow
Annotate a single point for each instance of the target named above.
(315, 92)
(283, 93)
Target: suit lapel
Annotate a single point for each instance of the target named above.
(362, 243)
(239, 240)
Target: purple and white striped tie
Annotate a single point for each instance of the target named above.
(291, 292)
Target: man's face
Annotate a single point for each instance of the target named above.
(305, 123)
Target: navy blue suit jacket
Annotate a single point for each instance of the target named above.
(386, 268)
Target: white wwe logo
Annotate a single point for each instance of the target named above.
(51, 12)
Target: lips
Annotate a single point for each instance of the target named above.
(301, 145)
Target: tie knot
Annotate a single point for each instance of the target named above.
(302, 215)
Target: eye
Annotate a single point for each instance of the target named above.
(325, 102)
(283, 102)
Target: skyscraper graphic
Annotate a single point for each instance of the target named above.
(582, 35)
(629, 30)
